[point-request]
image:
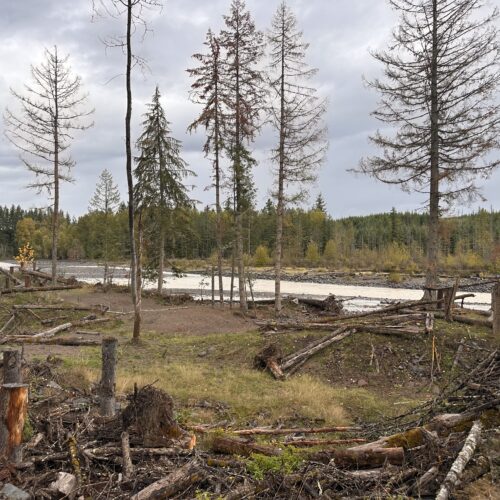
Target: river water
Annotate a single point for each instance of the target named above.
(355, 297)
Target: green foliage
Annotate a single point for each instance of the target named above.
(259, 465)
(261, 256)
(28, 431)
(312, 253)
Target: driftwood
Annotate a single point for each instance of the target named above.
(390, 330)
(178, 480)
(453, 476)
(97, 308)
(47, 277)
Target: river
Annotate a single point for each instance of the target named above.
(355, 297)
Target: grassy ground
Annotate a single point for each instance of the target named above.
(211, 377)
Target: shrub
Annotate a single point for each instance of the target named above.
(261, 256)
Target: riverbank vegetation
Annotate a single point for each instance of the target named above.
(392, 241)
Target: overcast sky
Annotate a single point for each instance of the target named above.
(341, 33)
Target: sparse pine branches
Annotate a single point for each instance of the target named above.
(441, 76)
(243, 95)
(296, 114)
(207, 90)
(51, 109)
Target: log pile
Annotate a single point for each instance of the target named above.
(142, 452)
(19, 326)
(405, 319)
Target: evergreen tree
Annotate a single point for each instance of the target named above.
(160, 172)
(106, 200)
(207, 90)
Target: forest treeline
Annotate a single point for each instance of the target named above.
(386, 242)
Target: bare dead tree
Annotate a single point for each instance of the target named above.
(297, 116)
(51, 109)
(134, 12)
(441, 76)
(207, 90)
(244, 97)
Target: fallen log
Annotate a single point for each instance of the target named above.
(53, 331)
(178, 480)
(424, 485)
(354, 457)
(138, 452)
(69, 341)
(467, 321)
(315, 347)
(453, 476)
(8, 323)
(47, 277)
(40, 289)
(270, 357)
(239, 446)
(330, 303)
(297, 430)
(389, 330)
(128, 467)
(322, 442)
(97, 308)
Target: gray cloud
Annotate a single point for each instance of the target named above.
(340, 32)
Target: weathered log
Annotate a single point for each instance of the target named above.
(357, 458)
(453, 476)
(16, 408)
(466, 320)
(389, 330)
(176, 481)
(97, 308)
(51, 321)
(40, 289)
(107, 402)
(53, 331)
(330, 303)
(314, 348)
(138, 452)
(297, 430)
(68, 341)
(322, 442)
(242, 447)
(128, 466)
(47, 277)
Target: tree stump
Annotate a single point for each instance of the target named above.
(12, 367)
(13, 417)
(107, 401)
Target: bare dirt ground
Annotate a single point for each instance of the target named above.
(190, 319)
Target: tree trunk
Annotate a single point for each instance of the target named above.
(15, 398)
(130, 183)
(12, 367)
(281, 173)
(218, 209)
(242, 447)
(495, 306)
(161, 257)
(107, 401)
(431, 278)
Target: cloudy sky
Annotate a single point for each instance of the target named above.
(341, 33)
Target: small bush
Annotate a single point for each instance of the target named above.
(261, 256)
(286, 463)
